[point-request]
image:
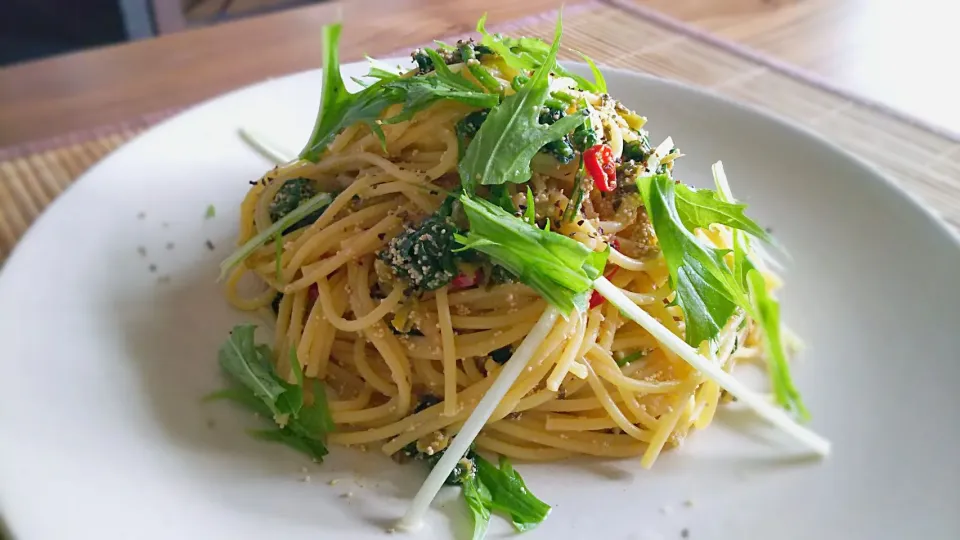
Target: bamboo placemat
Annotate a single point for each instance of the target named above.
(615, 34)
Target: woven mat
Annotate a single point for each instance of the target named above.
(616, 34)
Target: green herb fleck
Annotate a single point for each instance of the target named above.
(632, 357)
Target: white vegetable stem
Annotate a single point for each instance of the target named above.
(711, 370)
(413, 519)
(264, 147)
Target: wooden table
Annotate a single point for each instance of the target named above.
(877, 48)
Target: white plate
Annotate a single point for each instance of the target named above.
(103, 435)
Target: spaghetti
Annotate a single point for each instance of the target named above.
(340, 314)
(409, 329)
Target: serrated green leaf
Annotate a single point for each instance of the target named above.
(314, 419)
(242, 396)
(315, 449)
(509, 494)
(421, 92)
(764, 309)
(706, 289)
(477, 497)
(700, 208)
(303, 427)
(559, 268)
(600, 83)
(339, 108)
(240, 358)
(511, 135)
(767, 315)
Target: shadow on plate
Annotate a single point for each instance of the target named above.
(172, 332)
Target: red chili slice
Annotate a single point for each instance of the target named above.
(462, 281)
(596, 299)
(599, 162)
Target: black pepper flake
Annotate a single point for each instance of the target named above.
(253, 182)
(152, 268)
(685, 533)
(382, 236)
(502, 354)
(142, 251)
(210, 245)
(141, 215)
(580, 223)
(169, 245)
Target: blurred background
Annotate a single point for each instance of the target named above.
(69, 64)
(34, 29)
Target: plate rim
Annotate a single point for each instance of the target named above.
(755, 112)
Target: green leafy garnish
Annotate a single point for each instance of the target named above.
(765, 311)
(445, 74)
(527, 53)
(520, 60)
(559, 268)
(700, 208)
(249, 364)
(767, 315)
(509, 494)
(211, 212)
(421, 92)
(706, 289)
(381, 71)
(479, 503)
(600, 83)
(469, 56)
(502, 490)
(312, 204)
(500, 196)
(512, 134)
(300, 425)
(339, 108)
